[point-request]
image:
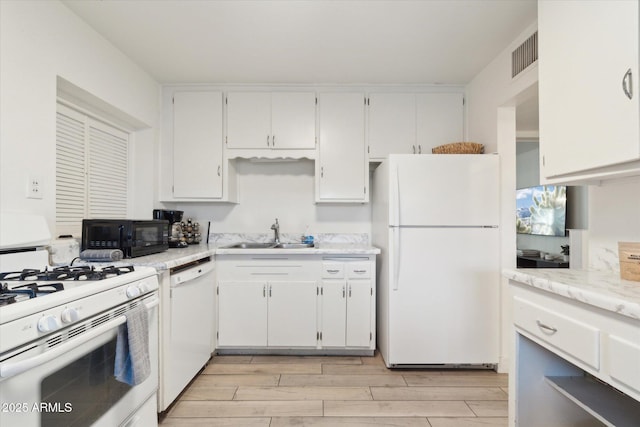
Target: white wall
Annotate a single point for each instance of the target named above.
(283, 190)
(614, 216)
(39, 42)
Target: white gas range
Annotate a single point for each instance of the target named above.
(67, 342)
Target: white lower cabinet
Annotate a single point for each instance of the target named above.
(305, 308)
(242, 314)
(347, 296)
(359, 294)
(334, 313)
(292, 320)
(275, 314)
(346, 313)
(573, 364)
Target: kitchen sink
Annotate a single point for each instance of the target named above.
(251, 245)
(271, 245)
(293, 245)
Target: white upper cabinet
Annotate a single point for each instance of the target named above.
(342, 168)
(293, 120)
(197, 145)
(271, 120)
(392, 124)
(413, 123)
(588, 89)
(440, 118)
(248, 120)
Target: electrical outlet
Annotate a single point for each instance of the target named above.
(34, 187)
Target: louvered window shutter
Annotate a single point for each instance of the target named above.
(108, 164)
(91, 171)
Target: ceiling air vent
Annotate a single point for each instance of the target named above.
(524, 55)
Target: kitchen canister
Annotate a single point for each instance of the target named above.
(629, 254)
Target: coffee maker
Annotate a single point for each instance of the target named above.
(176, 235)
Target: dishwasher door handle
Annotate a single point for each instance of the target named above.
(185, 276)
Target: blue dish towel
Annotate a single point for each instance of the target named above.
(132, 364)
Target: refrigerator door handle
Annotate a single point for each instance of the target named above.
(396, 199)
(396, 257)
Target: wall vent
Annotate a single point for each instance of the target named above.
(524, 55)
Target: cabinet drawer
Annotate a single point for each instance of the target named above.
(332, 270)
(359, 270)
(574, 338)
(624, 361)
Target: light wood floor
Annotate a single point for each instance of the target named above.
(280, 391)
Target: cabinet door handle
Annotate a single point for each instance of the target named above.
(414, 149)
(627, 83)
(273, 141)
(322, 172)
(549, 330)
(349, 291)
(343, 291)
(419, 149)
(267, 140)
(269, 291)
(219, 170)
(264, 291)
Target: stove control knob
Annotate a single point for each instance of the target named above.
(69, 315)
(143, 287)
(48, 323)
(133, 291)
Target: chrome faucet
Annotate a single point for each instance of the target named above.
(276, 229)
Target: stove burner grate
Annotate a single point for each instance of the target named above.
(67, 273)
(6, 299)
(28, 291)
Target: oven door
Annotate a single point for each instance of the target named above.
(73, 383)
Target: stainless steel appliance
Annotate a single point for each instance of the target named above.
(176, 233)
(435, 218)
(133, 237)
(59, 330)
(187, 327)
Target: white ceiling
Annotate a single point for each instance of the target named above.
(309, 41)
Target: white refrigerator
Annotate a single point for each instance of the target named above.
(435, 219)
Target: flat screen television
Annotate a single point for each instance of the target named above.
(541, 210)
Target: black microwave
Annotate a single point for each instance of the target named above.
(133, 237)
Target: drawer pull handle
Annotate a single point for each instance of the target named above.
(627, 84)
(546, 328)
(333, 271)
(360, 271)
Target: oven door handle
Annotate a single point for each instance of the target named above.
(8, 370)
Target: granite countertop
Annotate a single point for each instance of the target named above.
(318, 249)
(174, 257)
(602, 289)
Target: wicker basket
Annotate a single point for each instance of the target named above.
(459, 148)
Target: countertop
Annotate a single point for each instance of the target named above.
(600, 289)
(318, 249)
(174, 257)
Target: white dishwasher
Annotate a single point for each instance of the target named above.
(190, 324)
